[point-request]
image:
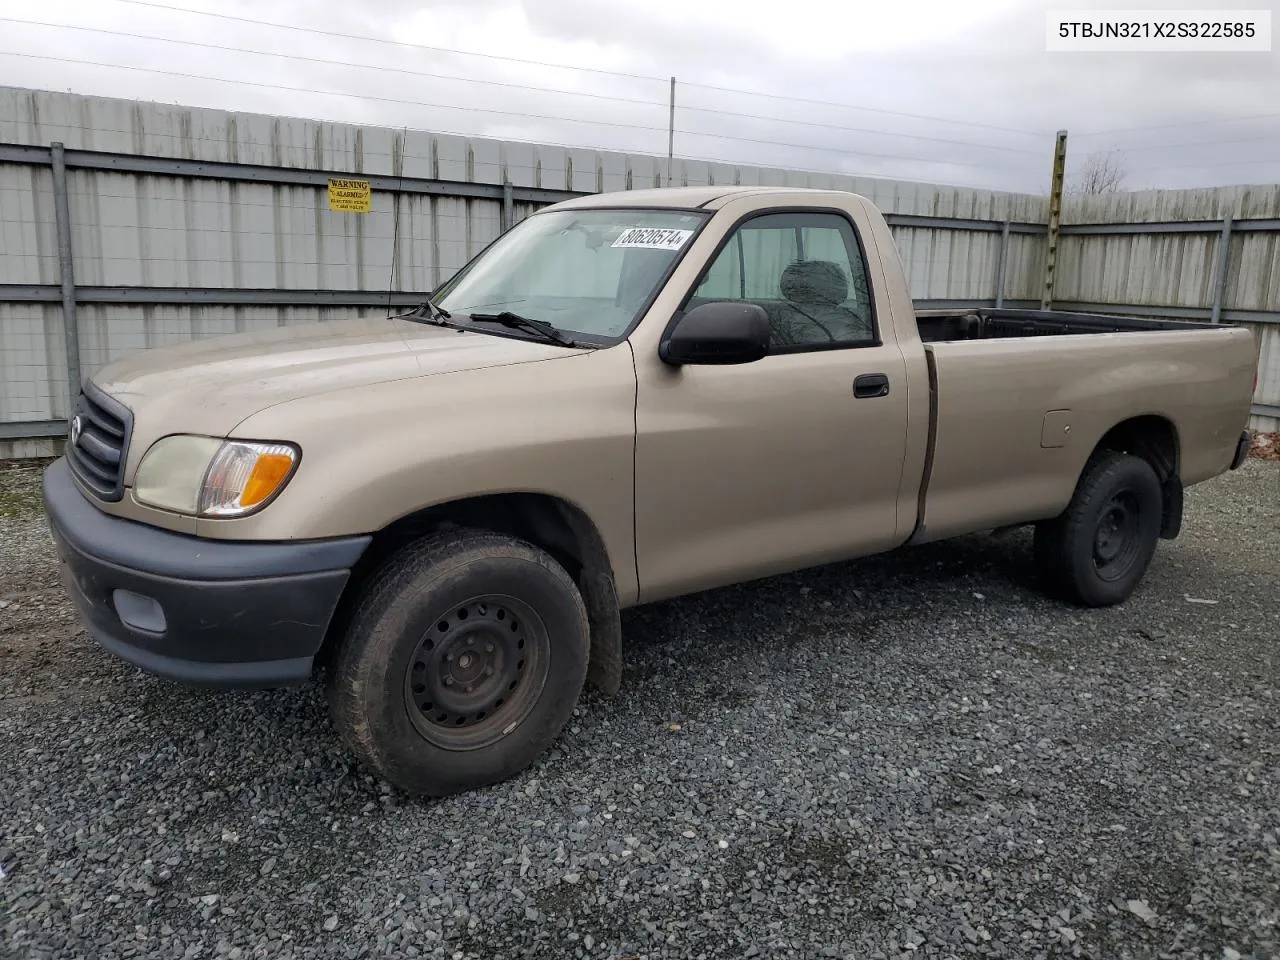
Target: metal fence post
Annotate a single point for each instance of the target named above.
(66, 272)
(1224, 263)
(1002, 263)
(508, 205)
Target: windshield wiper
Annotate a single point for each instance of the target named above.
(429, 312)
(516, 321)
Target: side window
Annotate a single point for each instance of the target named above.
(806, 270)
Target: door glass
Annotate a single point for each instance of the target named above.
(808, 273)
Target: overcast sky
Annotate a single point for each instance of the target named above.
(953, 91)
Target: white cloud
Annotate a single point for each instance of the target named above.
(977, 66)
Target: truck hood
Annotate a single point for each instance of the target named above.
(209, 386)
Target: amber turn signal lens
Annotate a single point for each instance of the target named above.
(268, 473)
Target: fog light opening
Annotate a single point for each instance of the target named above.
(138, 612)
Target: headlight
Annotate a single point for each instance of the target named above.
(206, 477)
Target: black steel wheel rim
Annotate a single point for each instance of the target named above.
(1117, 538)
(477, 672)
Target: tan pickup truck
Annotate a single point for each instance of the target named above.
(625, 398)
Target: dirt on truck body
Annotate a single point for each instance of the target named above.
(625, 398)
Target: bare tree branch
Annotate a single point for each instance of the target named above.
(1102, 173)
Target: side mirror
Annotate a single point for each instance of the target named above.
(725, 331)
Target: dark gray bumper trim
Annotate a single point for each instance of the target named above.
(250, 674)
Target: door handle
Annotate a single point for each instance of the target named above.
(871, 385)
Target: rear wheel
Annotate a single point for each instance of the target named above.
(463, 661)
(1097, 551)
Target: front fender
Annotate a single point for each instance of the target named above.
(563, 427)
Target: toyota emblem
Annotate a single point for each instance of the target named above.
(76, 426)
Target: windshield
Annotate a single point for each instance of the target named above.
(587, 272)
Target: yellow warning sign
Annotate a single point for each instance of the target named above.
(349, 196)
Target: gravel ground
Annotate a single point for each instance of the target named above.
(909, 756)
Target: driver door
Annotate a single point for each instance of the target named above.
(796, 459)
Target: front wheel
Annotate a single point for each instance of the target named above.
(1096, 552)
(463, 661)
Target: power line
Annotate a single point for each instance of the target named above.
(850, 106)
(845, 129)
(505, 113)
(1274, 161)
(396, 43)
(1187, 123)
(853, 153)
(513, 86)
(851, 176)
(1196, 143)
(212, 201)
(560, 66)
(330, 93)
(337, 63)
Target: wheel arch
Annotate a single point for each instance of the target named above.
(555, 525)
(1154, 438)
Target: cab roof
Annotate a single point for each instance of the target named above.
(679, 198)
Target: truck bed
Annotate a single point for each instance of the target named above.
(1013, 422)
(984, 323)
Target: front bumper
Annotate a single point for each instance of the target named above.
(213, 612)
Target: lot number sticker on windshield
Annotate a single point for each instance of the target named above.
(655, 238)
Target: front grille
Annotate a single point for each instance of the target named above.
(97, 441)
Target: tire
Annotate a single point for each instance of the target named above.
(463, 661)
(1097, 551)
